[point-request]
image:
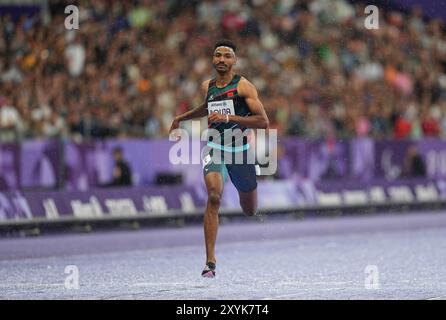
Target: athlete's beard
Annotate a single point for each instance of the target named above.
(222, 72)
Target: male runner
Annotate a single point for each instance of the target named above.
(231, 103)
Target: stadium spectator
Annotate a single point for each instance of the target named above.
(11, 124)
(132, 66)
(122, 174)
(413, 165)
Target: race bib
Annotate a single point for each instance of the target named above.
(222, 107)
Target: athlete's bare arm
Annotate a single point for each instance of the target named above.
(197, 112)
(258, 119)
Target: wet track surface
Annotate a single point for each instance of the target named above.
(321, 258)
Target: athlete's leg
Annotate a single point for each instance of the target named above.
(248, 202)
(214, 186)
(243, 176)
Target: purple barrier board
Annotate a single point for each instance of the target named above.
(47, 164)
(302, 192)
(378, 191)
(328, 159)
(98, 203)
(9, 167)
(40, 162)
(14, 206)
(163, 201)
(91, 165)
(389, 157)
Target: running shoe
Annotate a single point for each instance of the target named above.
(209, 270)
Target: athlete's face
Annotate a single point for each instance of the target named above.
(223, 60)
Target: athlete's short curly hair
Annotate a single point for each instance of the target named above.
(225, 43)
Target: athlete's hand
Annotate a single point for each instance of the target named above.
(175, 125)
(216, 117)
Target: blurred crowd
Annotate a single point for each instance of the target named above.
(133, 65)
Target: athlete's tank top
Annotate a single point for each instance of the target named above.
(226, 100)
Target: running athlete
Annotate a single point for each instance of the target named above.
(232, 105)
